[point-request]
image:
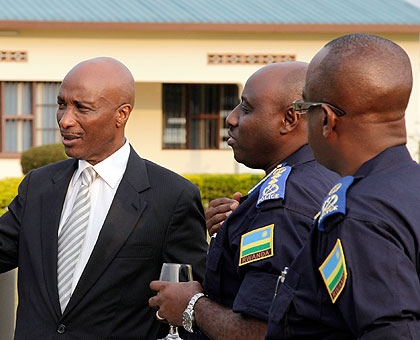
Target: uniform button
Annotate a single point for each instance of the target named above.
(61, 329)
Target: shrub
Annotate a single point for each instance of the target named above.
(211, 187)
(38, 156)
(8, 191)
(216, 186)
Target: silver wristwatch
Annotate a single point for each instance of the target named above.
(188, 314)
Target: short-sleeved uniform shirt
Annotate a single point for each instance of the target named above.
(264, 234)
(357, 277)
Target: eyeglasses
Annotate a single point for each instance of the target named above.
(301, 107)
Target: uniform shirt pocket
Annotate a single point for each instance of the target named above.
(284, 296)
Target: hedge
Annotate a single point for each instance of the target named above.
(38, 156)
(215, 186)
(8, 190)
(211, 187)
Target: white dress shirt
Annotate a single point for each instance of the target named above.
(102, 191)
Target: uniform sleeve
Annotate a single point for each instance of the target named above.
(381, 297)
(260, 277)
(186, 239)
(10, 227)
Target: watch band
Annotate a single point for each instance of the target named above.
(188, 315)
(193, 300)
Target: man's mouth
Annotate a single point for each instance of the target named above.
(69, 139)
(230, 140)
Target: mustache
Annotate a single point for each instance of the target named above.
(70, 134)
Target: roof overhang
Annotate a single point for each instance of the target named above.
(206, 27)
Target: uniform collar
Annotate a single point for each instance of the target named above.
(386, 159)
(300, 156)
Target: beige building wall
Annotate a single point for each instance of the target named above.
(156, 58)
(10, 168)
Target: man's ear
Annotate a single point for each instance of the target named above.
(290, 121)
(329, 121)
(123, 112)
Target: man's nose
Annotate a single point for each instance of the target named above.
(65, 117)
(232, 118)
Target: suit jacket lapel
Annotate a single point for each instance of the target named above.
(125, 211)
(52, 206)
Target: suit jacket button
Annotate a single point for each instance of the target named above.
(61, 329)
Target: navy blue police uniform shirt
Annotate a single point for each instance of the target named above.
(264, 234)
(357, 277)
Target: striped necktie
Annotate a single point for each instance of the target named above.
(71, 238)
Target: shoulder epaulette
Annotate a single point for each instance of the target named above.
(274, 186)
(335, 202)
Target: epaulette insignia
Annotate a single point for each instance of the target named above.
(256, 245)
(334, 271)
(258, 185)
(274, 186)
(335, 202)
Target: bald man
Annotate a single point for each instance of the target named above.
(89, 234)
(264, 233)
(358, 275)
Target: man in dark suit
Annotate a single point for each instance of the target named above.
(88, 234)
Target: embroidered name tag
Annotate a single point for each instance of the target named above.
(275, 185)
(256, 245)
(335, 202)
(334, 271)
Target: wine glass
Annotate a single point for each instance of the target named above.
(175, 272)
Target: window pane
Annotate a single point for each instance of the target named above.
(18, 135)
(26, 126)
(11, 98)
(195, 99)
(10, 136)
(26, 99)
(202, 109)
(211, 99)
(229, 98)
(174, 116)
(46, 109)
(204, 104)
(18, 99)
(203, 133)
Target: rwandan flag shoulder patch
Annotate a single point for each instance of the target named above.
(334, 271)
(256, 245)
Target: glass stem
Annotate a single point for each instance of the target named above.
(173, 330)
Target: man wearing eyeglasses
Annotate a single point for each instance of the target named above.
(266, 230)
(358, 275)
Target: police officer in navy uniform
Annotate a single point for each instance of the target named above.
(358, 275)
(265, 232)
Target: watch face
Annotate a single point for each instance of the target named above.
(186, 321)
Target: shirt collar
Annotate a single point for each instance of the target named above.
(111, 169)
(386, 159)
